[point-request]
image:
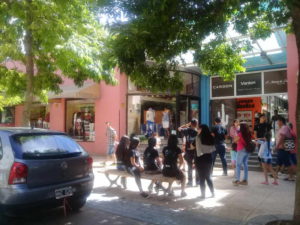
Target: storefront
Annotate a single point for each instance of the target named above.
(248, 95)
(162, 113)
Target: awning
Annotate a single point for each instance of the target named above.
(89, 90)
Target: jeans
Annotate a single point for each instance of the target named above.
(189, 157)
(220, 149)
(204, 167)
(242, 159)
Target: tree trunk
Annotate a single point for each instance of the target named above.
(28, 43)
(296, 26)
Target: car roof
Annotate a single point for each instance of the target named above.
(28, 130)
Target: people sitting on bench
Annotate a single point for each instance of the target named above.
(171, 154)
(122, 148)
(152, 163)
(133, 165)
(151, 158)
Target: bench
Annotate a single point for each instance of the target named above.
(153, 177)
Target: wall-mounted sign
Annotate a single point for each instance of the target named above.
(221, 88)
(248, 84)
(275, 82)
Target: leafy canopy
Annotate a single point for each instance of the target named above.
(67, 39)
(161, 30)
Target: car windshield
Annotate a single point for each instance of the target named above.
(46, 145)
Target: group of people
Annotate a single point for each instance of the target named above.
(200, 142)
(262, 136)
(200, 148)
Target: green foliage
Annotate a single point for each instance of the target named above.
(67, 39)
(160, 31)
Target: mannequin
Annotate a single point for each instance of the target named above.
(150, 116)
(166, 122)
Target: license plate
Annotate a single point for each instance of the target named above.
(63, 192)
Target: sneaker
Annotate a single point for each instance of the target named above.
(275, 183)
(244, 182)
(212, 195)
(145, 195)
(202, 197)
(224, 174)
(235, 183)
(265, 183)
(183, 194)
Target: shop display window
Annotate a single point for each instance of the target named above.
(148, 115)
(80, 119)
(40, 116)
(7, 116)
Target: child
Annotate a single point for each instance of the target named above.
(151, 158)
(266, 158)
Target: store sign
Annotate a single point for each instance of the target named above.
(275, 82)
(246, 103)
(248, 84)
(221, 88)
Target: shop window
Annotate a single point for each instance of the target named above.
(7, 116)
(190, 84)
(40, 116)
(149, 114)
(80, 119)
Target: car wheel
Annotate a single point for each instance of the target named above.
(77, 203)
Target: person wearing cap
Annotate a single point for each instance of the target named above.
(190, 133)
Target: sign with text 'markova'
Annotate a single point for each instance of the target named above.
(275, 82)
(221, 88)
(248, 84)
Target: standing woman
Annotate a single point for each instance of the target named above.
(234, 129)
(243, 139)
(204, 162)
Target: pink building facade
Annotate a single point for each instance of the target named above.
(292, 73)
(103, 103)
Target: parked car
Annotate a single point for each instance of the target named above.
(41, 168)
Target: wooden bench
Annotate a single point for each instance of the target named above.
(153, 177)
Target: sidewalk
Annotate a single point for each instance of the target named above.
(232, 205)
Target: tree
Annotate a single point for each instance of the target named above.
(159, 31)
(50, 38)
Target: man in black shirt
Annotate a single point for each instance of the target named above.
(220, 133)
(190, 132)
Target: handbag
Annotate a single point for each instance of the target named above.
(289, 144)
(250, 147)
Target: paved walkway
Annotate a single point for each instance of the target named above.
(232, 205)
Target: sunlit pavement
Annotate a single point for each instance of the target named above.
(231, 205)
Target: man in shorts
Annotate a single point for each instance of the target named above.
(283, 156)
(111, 135)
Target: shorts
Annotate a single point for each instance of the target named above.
(266, 161)
(293, 159)
(173, 173)
(283, 158)
(110, 149)
(121, 167)
(165, 124)
(233, 155)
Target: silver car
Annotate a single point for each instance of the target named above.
(42, 168)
